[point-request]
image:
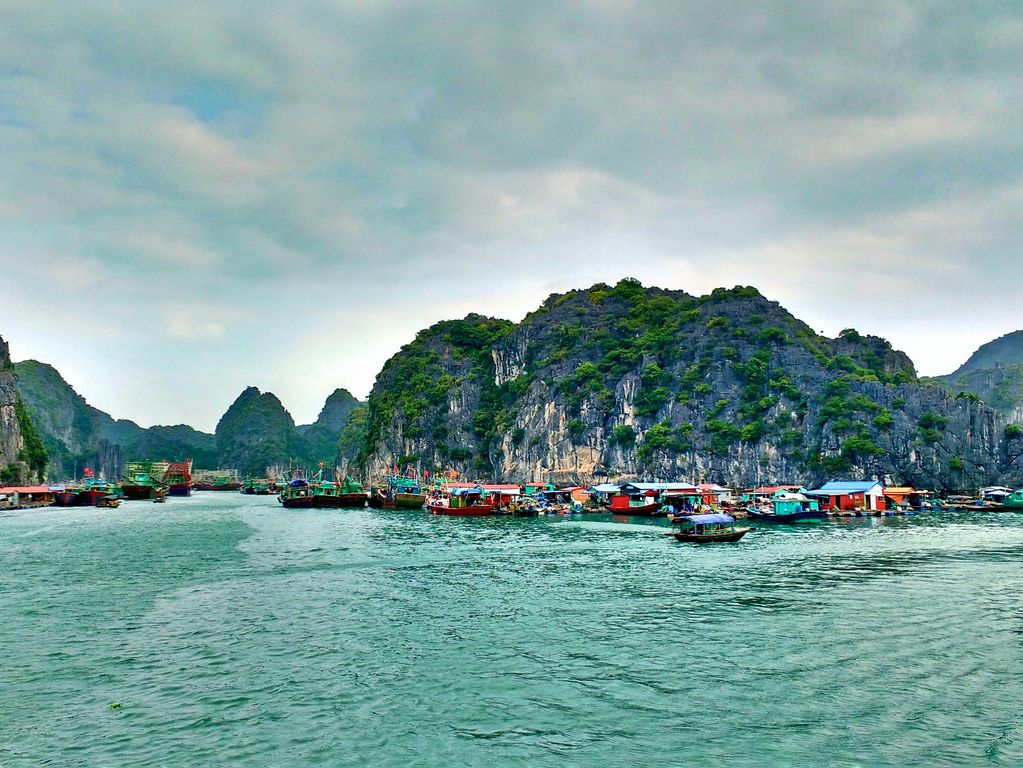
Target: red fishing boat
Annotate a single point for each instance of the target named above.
(461, 502)
(178, 478)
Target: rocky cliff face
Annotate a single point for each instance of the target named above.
(626, 381)
(10, 432)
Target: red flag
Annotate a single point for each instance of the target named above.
(88, 472)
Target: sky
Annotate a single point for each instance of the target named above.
(196, 197)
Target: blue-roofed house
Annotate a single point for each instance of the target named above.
(851, 495)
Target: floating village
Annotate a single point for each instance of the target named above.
(698, 513)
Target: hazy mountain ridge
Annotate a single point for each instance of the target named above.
(994, 373)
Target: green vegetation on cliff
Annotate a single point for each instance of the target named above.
(33, 452)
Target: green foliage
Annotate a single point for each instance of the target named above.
(968, 396)
(518, 435)
(11, 473)
(718, 321)
(34, 452)
(930, 420)
(850, 334)
(654, 393)
(576, 427)
(883, 420)
(899, 403)
(717, 408)
(955, 464)
(856, 449)
(772, 335)
(623, 435)
(723, 434)
(662, 437)
(1013, 431)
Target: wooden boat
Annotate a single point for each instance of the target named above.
(297, 493)
(707, 529)
(108, 502)
(66, 497)
(623, 504)
(330, 493)
(1013, 502)
(91, 490)
(402, 492)
(461, 502)
(143, 478)
(178, 478)
(788, 508)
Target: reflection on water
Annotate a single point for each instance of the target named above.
(232, 632)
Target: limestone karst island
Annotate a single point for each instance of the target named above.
(518, 385)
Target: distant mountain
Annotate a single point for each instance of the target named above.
(994, 373)
(257, 433)
(323, 434)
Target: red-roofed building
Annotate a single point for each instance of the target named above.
(17, 496)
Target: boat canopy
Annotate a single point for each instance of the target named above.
(466, 491)
(704, 519)
(605, 488)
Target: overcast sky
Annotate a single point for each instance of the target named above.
(196, 196)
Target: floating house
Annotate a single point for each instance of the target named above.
(767, 492)
(573, 494)
(904, 495)
(18, 496)
(851, 495)
(714, 494)
(647, 497)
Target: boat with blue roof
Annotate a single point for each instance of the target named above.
(710, 528)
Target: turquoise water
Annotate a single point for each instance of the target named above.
(234, 633)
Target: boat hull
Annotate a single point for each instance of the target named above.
(712, 538)
(349, 500)
(138, 491)
(179, 490)
(64, 498)
(89, 498)
(474, 510)
(409, 500)
(645, 509)
(791, 517)
(297, 502)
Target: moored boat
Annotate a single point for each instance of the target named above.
(1014, 500)
(296, 493)
(708, 528)
(331, 493)
(109, 502)
(788, 507)
(178, 478)
(65, 496)
(91, 490)
(461, 502)
(143, 479)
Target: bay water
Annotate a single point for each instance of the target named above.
(223, 630)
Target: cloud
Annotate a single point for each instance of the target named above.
(351, 171)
